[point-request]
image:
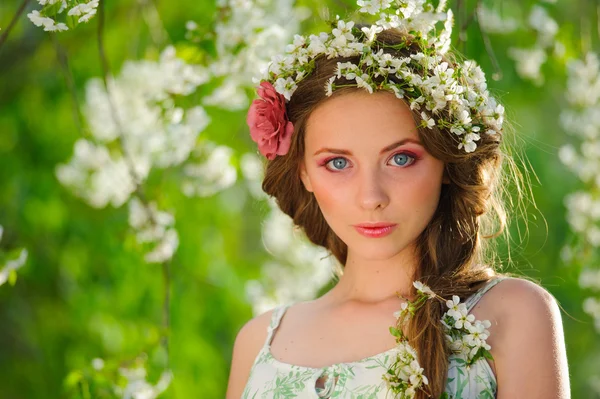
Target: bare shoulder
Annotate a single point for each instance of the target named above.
(514, 298)
(527, 340)
(248, 342)
(517, 304)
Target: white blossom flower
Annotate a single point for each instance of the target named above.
(364, 81)
(247, 37)
(492, 22)
(423, 78)
(39, 20)
(590, 279)
(371, 32)
(329, 86)
(405, 371)
(56, 27)
(529, 62)
(299, 42)
(215, 174)
(464, 334)
(12, 265)
(540, 20)
(152, 132)
(97, 363)
(97, 176)
(299, 268)
(87, 16)
(49, 24)
(139, 388)
(344, 29)
(373, 7)
(429, 122)
(423, 289)
(155, 227)
(286, 87)
(399, 93)
(403, 309)
(317, 44)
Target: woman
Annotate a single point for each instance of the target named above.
(387, 152)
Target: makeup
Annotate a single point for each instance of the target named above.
(375, 230)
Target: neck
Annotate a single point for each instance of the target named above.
(367, 280)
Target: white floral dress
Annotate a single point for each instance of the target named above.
(271, 378)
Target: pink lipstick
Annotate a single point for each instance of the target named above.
(375, 230)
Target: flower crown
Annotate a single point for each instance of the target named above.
(455, 96)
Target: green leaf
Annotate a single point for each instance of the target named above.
(210, 48)
(50, 10)
(73, 378)
(488, 355)
(71, 21)
(394, 331)
(12, 277)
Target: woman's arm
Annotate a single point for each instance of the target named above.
(248, 343)
(529, 345)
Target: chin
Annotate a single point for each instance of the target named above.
(377, 250)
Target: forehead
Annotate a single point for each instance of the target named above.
(360, 118)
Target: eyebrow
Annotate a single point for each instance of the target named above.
(386, 149)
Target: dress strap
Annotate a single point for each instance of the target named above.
(275, 320)
(473, 299)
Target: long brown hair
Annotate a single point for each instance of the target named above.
(454, 258)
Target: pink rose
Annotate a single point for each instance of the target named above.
(268, 123)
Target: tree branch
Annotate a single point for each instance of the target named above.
(13, 21)
(63, 61)
(497, 75)
(166, 266)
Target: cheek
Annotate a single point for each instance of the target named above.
(332, 200)
(327, 197)
(423, 194)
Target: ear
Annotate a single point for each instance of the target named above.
(304, 177)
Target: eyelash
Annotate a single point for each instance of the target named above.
(410, 154)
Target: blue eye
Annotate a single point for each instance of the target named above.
(338, 163)
(403, 159)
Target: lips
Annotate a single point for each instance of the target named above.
(373, 225)
(379, 229)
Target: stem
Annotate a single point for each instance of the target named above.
(113, 108)
(459, 19)
(155, 26)
(13, 21)
(470, 18)
(497, 75)
(585, 32)
(63, 61)
(598, 20)
(138, 190)
(166, 269)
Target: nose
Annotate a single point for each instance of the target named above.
(372, 193)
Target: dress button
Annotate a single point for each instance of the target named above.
(325, 384)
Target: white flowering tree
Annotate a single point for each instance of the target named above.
(126, 168)
(10, 262)
(141, 122)
(581, 120)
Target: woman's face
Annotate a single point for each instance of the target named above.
(364, 164)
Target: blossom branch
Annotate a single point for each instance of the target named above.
(13, 21)
(488, 46)
(155, 26)
(63, 61)
(137, 181)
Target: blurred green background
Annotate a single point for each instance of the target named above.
(86, 303)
